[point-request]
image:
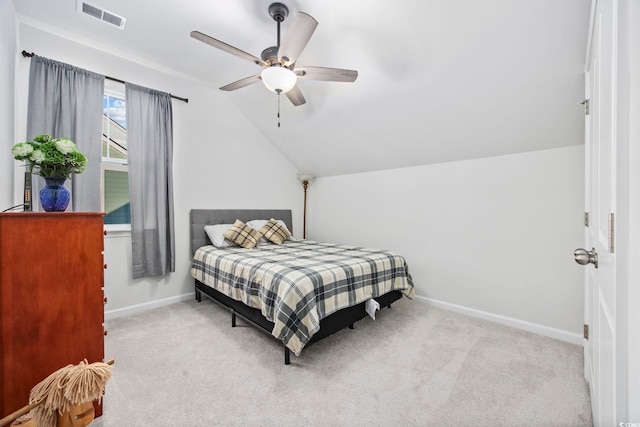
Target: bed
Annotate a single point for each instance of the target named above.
(300, 291)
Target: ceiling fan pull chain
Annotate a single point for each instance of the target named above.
(279, 107)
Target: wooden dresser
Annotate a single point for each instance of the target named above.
(51, 298)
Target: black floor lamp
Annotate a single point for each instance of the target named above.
(305, 178)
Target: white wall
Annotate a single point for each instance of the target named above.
(7, 66)
(210, 134)
(492, 236)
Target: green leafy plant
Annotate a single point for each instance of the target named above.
(51, 157)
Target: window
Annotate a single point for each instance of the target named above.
(115, 170)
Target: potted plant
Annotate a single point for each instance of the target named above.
(54, 159)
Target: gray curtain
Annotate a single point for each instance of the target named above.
(66, 101)
(150, 152)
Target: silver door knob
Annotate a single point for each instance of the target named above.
(584, 257)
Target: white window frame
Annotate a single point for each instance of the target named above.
(114, 166)
(116, 90)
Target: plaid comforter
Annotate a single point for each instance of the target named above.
(298, 283)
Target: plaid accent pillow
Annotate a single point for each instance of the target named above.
(242, 234)
(275, 232)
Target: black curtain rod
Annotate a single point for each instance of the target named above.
(29, 55)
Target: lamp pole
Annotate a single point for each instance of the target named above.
(305, 179)
(305, 184)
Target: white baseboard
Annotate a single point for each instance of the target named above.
(557, 334)
(138, 308)
(554, 333)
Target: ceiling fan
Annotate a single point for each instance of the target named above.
(280, 73)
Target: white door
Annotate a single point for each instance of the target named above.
(600, 278)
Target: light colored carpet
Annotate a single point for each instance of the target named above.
(415, 365)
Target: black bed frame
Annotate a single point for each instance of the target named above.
(329, 325)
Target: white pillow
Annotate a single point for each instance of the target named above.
(216, 235)
(257, 224)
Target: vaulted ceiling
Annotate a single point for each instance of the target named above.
(439, 80)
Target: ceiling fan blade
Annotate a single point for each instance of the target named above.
(326, 74)
(295, 96)
(227, 48)
(242, 83)
(297, 37)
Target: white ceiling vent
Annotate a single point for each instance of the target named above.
(101, 14)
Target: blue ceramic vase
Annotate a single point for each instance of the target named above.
(54, 196)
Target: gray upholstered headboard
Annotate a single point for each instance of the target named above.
(198, 218)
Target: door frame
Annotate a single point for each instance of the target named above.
(628, 235)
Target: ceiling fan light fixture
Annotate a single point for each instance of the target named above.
(278, 79)
(280, 73)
